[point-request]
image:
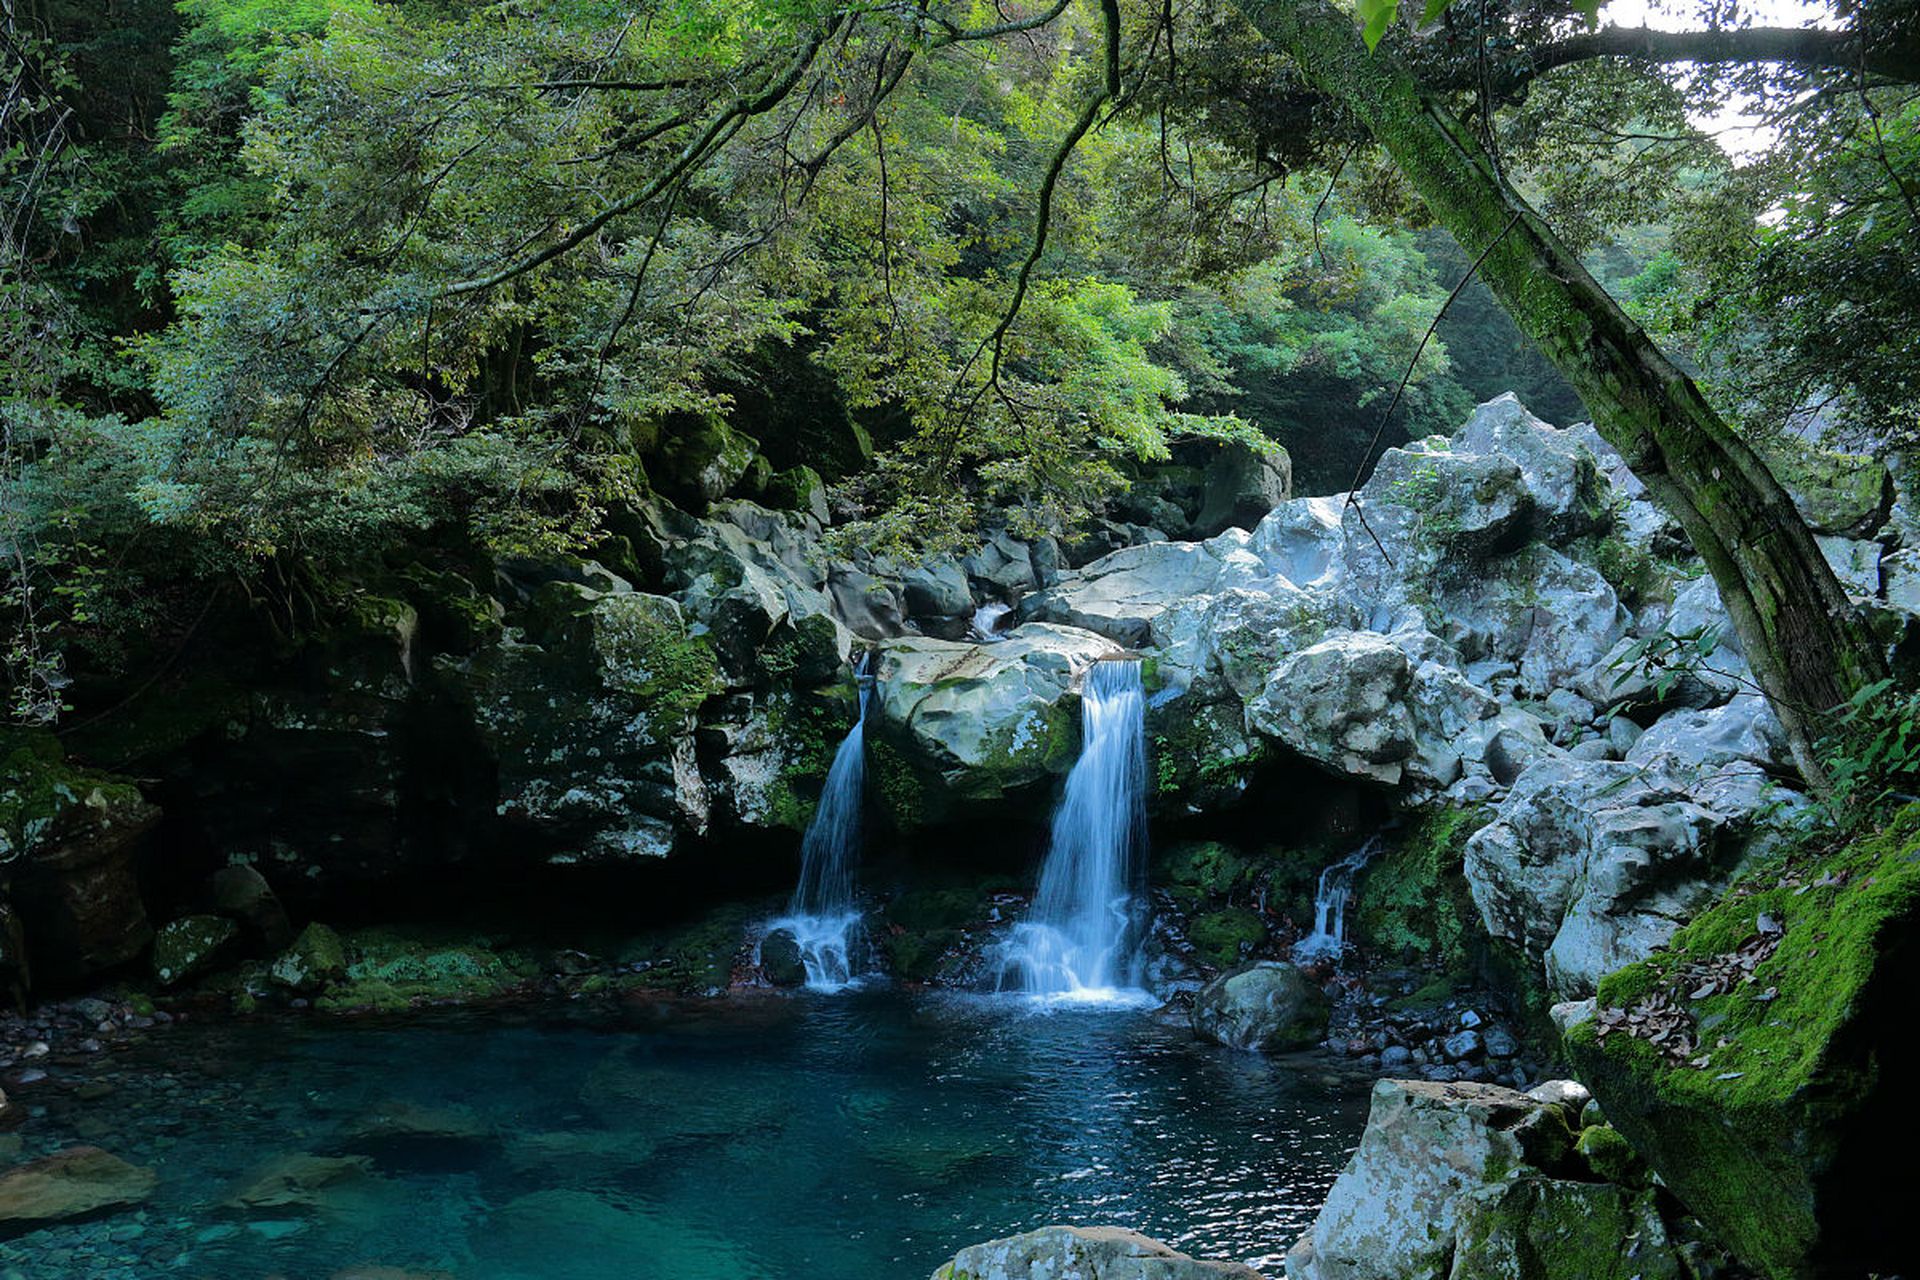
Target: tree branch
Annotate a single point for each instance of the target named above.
(1896, 57)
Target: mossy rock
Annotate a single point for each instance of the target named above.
(1224, 938)
(1535, 1228)
(316, 958)
(1778, 1140)
(923, 926)
(388, 970)
(1201, 871)
(1412, 900)
(189, 947)
(695, 957)
(1610, 1156)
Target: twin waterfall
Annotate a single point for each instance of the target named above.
(1081, 941)
(823, 918)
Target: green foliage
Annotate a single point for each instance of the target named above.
(1871, 754)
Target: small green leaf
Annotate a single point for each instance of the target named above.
(1376, 16)
(1434, 9)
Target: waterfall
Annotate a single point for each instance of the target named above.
(985, 626)
(823, 917)
(1081, 940)
(1329, 936)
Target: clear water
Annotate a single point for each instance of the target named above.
(862, 1137)
(1081, 941)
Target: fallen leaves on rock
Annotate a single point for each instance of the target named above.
(1664, 1020)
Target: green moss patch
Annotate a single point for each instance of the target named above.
(1752, 1060)
(1413, 900)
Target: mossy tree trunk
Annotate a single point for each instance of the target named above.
(1807, 645)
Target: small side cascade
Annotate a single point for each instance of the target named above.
(985, 625)
(1081, 941)
(1329, 936)
(824, 918)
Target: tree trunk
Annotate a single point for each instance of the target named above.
(1807, 645)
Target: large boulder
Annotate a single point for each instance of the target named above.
(977, 721)
(1241, 485)
(1762, 1062)
(1557, 469)
(1592, 864)
(1083, 1253)
(67, 841)
(1122, 593)
(193, 945)
(1269, 1007)
(1846, 495)
(1385, 708)
(1431, 1176)
(588, 714)
(1341, 703)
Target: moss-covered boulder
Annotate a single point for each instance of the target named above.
(702, 460)
(67, 840)
(1846, 495)
(1430, 1177)
(1269, 1007)
(1538, 1228)
(799, 489)
(587, 717)
(316, 958)
(1226, 937)
(969, 724)
(186, 948)
(924, 930)
(1780, 1079)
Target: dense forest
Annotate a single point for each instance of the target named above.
(1352, 530)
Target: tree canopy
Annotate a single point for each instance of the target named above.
(296, 282)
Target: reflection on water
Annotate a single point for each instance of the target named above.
(864, 1136)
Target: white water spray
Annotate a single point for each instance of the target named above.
(1081, 940)
(1329, 936)
(823, 917)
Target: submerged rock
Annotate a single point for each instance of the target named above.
(74, 1183)
(780, 959)
(1083, 1253)
(296, 1180)
(1269, 1007)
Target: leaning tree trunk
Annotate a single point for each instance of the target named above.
(1806, 643)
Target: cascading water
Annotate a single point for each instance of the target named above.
(823, 918)
(1329, 936)
(1081, 940)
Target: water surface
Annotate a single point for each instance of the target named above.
(855, 1137)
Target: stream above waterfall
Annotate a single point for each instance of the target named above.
(861, 1137)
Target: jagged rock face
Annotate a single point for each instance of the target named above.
(67, 843)
(1591, 864)
(1558, 469)
(977, 721)
(590, 721)
(1396, 1209)
(1240, 486)
(1083, 1253)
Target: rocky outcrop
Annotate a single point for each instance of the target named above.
(1478, 1182)
(1759, 1063)
(1269, 1007)
(974, 722)
(1083, 1253)
(1589, 865)
(67, 842)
